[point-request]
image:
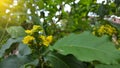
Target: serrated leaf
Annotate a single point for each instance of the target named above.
(87, 47)
(16, 31)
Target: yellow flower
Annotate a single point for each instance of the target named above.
(102, 27)
(28, 32)
(46, 40)
(106, 29)
(28, 39)
(49, 39)
(36, 28)
(42, 37)
(46, 43)
(93, 32)
(101, 31)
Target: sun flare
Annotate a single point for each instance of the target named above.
(4, 4)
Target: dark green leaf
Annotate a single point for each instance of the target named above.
(32, 64)
(56, 62)
(72, 62)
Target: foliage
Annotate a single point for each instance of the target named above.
(87, 47)
(43, 34)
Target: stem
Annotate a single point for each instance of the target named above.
(42, 65)
(41, 61)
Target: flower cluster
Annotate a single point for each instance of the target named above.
(104, 29)
(28, 39)
(35, 29)
(46, 40)
(35, 37)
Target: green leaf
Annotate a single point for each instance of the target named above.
(72, 62)
(64, 61)
(16, 31)
(7, 45)
(56, 62)
(87, 47)
(14, 62)
(32, 64)
(107, 66)
(24, 50)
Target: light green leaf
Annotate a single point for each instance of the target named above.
(16, 31)
(87, 47)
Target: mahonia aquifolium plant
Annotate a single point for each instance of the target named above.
(35, 37)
